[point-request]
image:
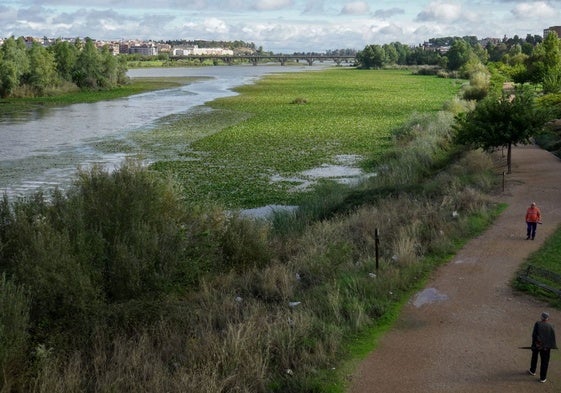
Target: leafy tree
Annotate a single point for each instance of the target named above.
(459, 54)
(42, 72)
(502, 122)
(8, 77)
(372, 56)
(65, 55)
(420, 56)
(390, 51)
(15, 65)
(88, 68)
(545, 59)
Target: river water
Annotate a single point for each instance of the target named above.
(45, 147)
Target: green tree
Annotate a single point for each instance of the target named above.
(372, 56)
(65, 55)
(15, 65)
(502, 122)
(390, 51)
(87, 72)
(545, 60)
(113, 69)
(42, 71)
(459, 54)
(8, 77)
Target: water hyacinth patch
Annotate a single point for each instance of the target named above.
(341, 112)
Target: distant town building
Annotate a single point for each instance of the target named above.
(556, 29)
(144, 49)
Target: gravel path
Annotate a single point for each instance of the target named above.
(462, 332)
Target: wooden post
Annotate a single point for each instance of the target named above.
(503, 181)
(377, 244)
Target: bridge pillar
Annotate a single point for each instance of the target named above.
(310, 61)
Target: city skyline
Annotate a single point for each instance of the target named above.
(279, 25)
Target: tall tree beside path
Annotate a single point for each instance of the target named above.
(501, 122)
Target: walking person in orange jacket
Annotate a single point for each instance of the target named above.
(533, 218)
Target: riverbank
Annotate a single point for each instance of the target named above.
(465, 337)
(148, 293)
(18, 107)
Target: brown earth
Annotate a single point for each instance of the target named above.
(462, 332)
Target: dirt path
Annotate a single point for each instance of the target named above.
(461, 333)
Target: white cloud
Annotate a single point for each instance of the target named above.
(272, 5)
(440, 12)
(538, 9)
(356, 8)
(215, 25)
(388, 13)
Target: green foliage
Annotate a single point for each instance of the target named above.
(65, 55)
(372, 56)
(552, 81)
(546, 258)
(14, 336)
(459, 54)
(253, 163)
(545, 59)
(501, 122)
(114, 238)
(171, 295)
(40, 71)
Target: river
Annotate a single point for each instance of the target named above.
(45, 148)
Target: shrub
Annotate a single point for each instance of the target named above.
(14, 337)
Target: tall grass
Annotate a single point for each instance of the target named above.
(276, 311)
(133, 287)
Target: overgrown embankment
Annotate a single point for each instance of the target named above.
(121, 284)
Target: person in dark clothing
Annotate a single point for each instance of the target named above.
(543, 341)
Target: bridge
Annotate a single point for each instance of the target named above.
(282, 59)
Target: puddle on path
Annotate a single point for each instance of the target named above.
(428, 296)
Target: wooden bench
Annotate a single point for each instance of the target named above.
(536, 276)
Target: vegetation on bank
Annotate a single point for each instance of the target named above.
(64, 66)
(128, 282)
(16, 106)
(312, 120)
(123, 283)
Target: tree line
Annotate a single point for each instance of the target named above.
(523, 60)
(37, 70)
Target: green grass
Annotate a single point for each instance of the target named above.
(296, 122)
(547, 257)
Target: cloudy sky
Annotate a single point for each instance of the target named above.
(282, 26)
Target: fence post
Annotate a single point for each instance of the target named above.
(503, 181)
(377, 244)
